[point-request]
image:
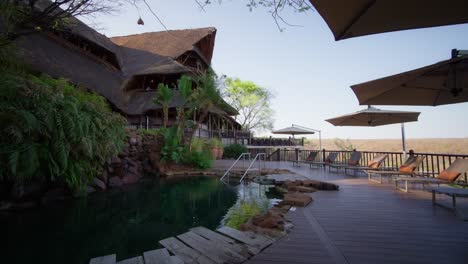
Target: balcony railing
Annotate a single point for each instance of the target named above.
(431, 166)
(289, 142)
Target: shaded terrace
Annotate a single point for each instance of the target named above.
(368, 223)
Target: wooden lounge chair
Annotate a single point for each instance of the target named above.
(407, 169)
(329, 160)
(450, 175)
(311, 158)
(352, 161)
(373, 164)
(450, 191)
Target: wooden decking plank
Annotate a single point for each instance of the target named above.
(160, 256)
(243, 249)
(248, 238)
(185, 253)
(109, 259)
(210, 249)
(135, 260)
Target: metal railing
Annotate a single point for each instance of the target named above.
(243, 155)
(431, 166)
(252, 163)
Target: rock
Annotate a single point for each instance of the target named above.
(55, 194)
(23, 205)
(131, 162)
(133, 141)
(27, 191)
(302, 189)
(289, 183)
(90, 189)
(134, 170)
(115, 182)
(116, 160)
(130, 179)
(296, 199)
(5, 205)
(97, 183)
(319, 185)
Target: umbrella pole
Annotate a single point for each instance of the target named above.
(403, 140)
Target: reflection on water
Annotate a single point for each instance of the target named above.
(126, 222)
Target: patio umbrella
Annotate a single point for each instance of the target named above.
(293, 130)
(376, 117)
(348, 19)
(445, 82)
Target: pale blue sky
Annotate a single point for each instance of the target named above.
(307, 70)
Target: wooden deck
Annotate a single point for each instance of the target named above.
(369, 223)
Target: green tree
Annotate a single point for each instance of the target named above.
(164, 97)
(252, 102)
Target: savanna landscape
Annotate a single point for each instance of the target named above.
(425, 145)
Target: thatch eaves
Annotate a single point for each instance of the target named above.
(173, 43)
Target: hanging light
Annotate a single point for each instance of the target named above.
(140, 21)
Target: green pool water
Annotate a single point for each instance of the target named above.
(126, 222)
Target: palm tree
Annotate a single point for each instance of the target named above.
(164, 97)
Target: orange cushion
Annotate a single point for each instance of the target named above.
(373, 165)
(407, 169)
(450, 176)
(353, 162)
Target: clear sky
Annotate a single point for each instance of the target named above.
(310, 73)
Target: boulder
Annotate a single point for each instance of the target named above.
(27, 191)
(90, 189)
(296, 199)
(133, 141)
(98, 184)
(319, 185)
(115, 182)
(55, 194)
(116, 160)
(130, 179)
(302, 189)
(289, 183)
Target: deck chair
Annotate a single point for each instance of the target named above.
(450, 191)
(407, 169)
(311, 158)
(450, 175)
(373, 164)
(352, 161)
(329, 160)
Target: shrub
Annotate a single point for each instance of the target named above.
(198, 159)
(53, 131)
(215, 143)
(199, 144)
(241, 212)
(234, 151)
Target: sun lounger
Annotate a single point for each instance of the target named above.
(311, 158)
(329, 160)
(373, 164)
(450, 175)
(450, 191)
(352, 161)
(407, 169)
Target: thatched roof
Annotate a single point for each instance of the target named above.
(172, 43)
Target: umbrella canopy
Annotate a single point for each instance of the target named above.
(292, 130)
(348, 19)
(374, 117)
(445, 82)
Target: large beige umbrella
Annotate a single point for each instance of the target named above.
(293, 130)
(376, 117)
(353, 18)
(445, 82)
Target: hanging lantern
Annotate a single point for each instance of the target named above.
(140, 21)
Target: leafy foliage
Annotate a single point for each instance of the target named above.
(53, 131)
(198, 159)
(172, 148)
(241, 212)
(252, 102)
(234, 151)
(164, 97)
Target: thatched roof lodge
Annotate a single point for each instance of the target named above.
(126, 69)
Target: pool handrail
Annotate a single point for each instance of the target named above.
(234, 164)
(251, 164)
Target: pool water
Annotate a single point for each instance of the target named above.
(126, 222)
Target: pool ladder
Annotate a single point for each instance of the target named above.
(250, 168)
